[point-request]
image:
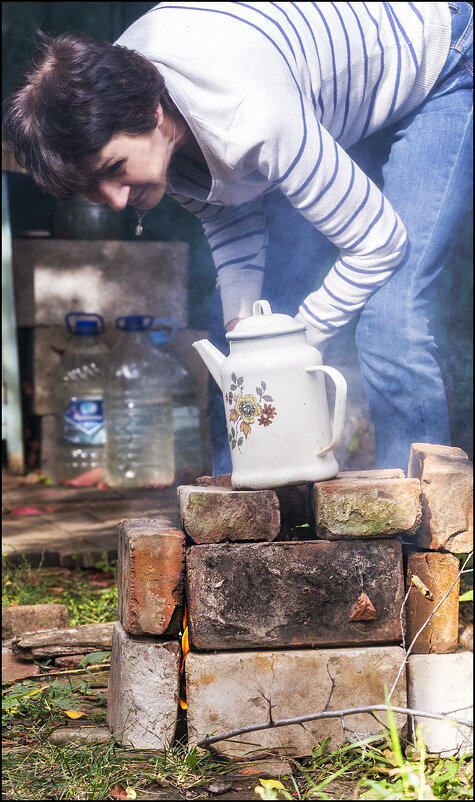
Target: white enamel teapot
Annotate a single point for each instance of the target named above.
(276, 403)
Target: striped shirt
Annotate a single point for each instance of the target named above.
(274, 93)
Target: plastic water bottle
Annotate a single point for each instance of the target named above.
(138, 409)
(186, 414)
(81, 432)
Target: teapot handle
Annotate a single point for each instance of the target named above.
(261, 308)
(339, 408)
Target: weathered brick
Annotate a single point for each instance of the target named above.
(293, 501)
(384, 473)
(216, 514)
(442, 683)
(28, 617)
(437, 572)
(221, 480)
(267, 595)
(446, 477)
(366, 508)
(142, 697)
(228, 690)
(151, 576)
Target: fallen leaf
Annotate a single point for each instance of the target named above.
(363, 609)
(271, 784)
(75, 714)
(418, 583)
(119, 792)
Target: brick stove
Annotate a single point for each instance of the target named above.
(294, 600)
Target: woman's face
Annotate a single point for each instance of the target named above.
(132, 167)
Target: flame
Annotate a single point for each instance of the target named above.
(185, 648)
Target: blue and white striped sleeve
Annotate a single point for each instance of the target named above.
(237, 237)
(287, 144)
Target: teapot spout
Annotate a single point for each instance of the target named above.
(212, 357)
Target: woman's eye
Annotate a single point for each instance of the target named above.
(115, 168)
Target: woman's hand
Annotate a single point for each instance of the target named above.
(232, 323)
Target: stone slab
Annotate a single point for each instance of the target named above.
(446, 477)
(437, 572)
(142, 698)
(442, 683)
(21, 618)
(84, 523)
(82, 736)
(216, 514)
(267, 595)
(228, 690)
(151, 571)
(366, 508)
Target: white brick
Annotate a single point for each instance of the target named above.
(227, 690)
(442, 683)
(142, 697)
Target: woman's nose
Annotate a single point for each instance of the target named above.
(114, 194)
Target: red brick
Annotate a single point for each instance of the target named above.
(446, 477)
(150, 576)
(437, 572)
(216, 514)
(367, 508)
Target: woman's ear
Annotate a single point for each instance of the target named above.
(159, 115)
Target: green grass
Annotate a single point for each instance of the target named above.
(90, 596)
(373, 769)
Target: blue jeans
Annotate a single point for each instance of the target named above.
(423, 164)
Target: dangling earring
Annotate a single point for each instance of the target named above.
(139, 226)
(141, 214)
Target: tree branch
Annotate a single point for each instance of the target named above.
(328, 714)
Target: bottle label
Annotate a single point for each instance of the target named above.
(83, 421)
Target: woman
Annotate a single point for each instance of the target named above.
(349, 121)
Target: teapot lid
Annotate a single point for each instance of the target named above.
(263, 323)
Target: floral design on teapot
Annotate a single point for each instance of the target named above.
(246, 410)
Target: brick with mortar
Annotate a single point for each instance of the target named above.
(437, 572)
(367, 508)
(150, 576)
(228, 690)
(269, 595)
(446, 477)
(216, 514)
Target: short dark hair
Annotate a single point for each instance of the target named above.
(78, 92)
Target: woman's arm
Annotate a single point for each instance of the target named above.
(276, 132)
